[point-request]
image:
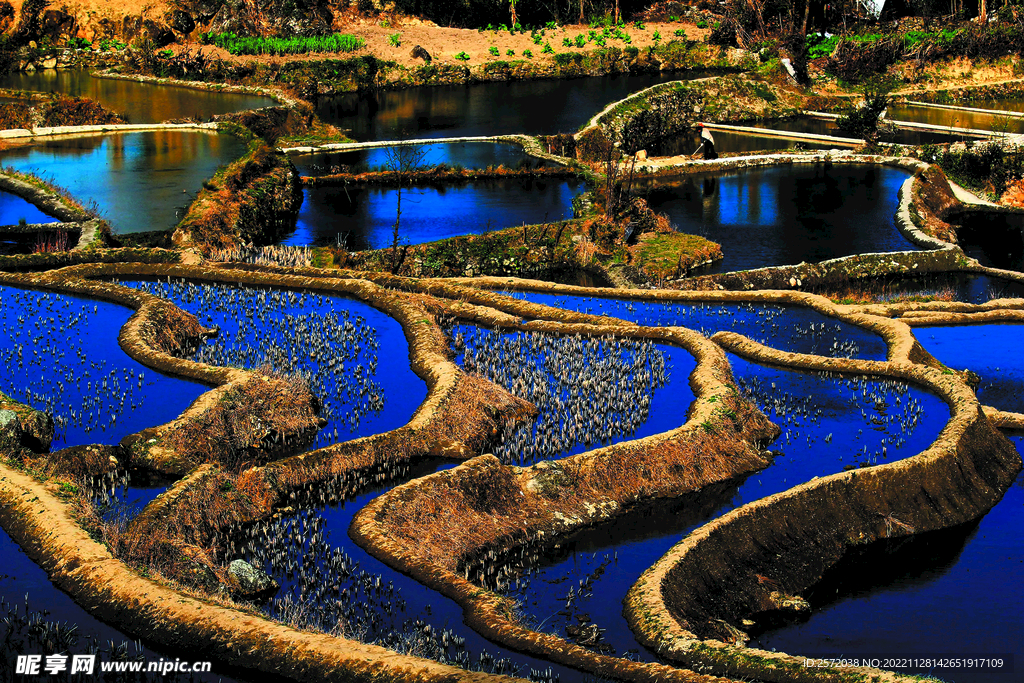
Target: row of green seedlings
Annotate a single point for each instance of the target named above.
(259, 45)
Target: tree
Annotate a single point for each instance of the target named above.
(401, 160)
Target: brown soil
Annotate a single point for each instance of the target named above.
(444, 43)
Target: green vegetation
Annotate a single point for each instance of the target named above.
(395, 39)
(462, 56)
(296, 45)
(493, 50)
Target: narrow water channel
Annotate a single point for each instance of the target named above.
(788, 328)
(470, 155)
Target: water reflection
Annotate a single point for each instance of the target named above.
(534, 107)
(365, 216)
(141, 102)
(897, 598)
(139, 181)
(787, 215)
(466, 154)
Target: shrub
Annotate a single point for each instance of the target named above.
(395, 39)
(258, 45)
(493, 50)
(462, 56)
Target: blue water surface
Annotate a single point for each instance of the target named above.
(60, 354)
(356, 357)
(828, 424)
(991, 351)
(949, 594)
(364, 217)
(466, 154)
(786, 215)
(137, 181)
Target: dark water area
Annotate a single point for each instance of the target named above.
(141, 102)
(539, 107)
(589, 392)
(364, 217)
(789, 328)
(828, 127)
(60, 354)
(126, 502)
(956, 119)
(355, 357)
(138, 181)
(828, 424)
(995, 239)
(952, 593)
(786, 215)
(465, 154)
(991, 351)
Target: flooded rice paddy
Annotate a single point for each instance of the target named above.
(140, 102)
(786, 215)
(829, 424)
(788, 328)
(589, 392)
(534, 107)
(60, 355)
(355, 357)
(364, 217)
(113, 172)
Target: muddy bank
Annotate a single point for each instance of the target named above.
(253, 201)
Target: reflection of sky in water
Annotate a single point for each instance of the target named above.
(139, 180)
(787, 215)
(429, 213)
(13, 208)
(75, 369)
(991, 351)
(466, 154)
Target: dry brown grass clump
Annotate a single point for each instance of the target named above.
(860, 293)
(178, 537)
(172, 330)
(449, 517)
(250, 421)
